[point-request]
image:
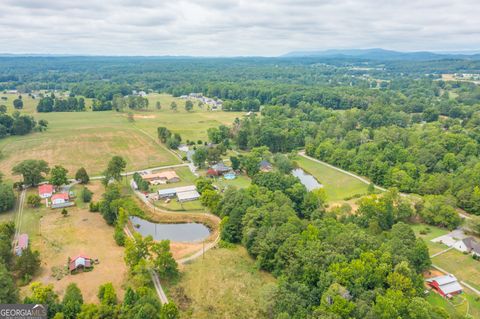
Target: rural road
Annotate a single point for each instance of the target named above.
(18, 216)
(364, 180)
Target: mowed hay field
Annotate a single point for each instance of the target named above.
(90, 139)
(224, 284)
(337, 185)
(85, 139)
(190, 125)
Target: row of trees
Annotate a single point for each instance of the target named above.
(35, 171)
(54, 104)
(19, 124)
(141, 303)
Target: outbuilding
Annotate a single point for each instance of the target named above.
(188, 196)
(80, 262)
(447, 285)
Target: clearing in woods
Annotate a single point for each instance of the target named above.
(224, 284)
(337, 185)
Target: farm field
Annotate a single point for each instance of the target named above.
(190, 125)
(224, 284)
(57, 238)
(89, 139)
(85, 139)
(337, 185)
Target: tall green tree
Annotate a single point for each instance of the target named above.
(82, 176)
(72, 301)
(115, 168)
(163, 261)
(58, 175)
(31, 170)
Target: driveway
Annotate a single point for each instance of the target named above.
(451, 238)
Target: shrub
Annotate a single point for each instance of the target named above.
(86, 195)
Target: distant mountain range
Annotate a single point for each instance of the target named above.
(385, 55)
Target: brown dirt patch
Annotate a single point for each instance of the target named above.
(138, 116)
(80, 232)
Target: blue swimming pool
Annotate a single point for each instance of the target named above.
(230, 176)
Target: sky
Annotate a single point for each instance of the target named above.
(235, 27)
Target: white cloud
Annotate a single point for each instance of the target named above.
(235, 27)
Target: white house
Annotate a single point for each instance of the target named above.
(468, 245)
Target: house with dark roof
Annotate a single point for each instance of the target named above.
(265, 166)
(220, 168)
(447, 285)
(468, 245)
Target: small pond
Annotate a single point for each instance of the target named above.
(184, 232)
(306, 179)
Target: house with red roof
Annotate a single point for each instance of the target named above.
(60, 198)
(22, 244)
(447, 285)
(46, 190)
(81, 262)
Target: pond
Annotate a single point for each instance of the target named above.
(184, 232)
(306, 179)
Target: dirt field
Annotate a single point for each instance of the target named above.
(81, 232)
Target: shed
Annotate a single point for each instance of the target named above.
(188, 196)
(80, 262)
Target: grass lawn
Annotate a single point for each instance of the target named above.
(241, 181)
(337, 185)
(433, 232)
(224, 284)
(458, 307)
(176, 206)
(57, 238)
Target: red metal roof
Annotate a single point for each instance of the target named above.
(45, 189)
(60, 196)
(23, 241)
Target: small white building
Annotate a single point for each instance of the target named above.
(60, 198)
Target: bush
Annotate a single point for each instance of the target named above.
(94, 207)
(119, 236)
(34, 200)
(86, 195)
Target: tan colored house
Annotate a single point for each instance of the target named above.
(161, 177)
